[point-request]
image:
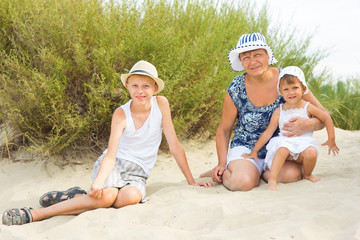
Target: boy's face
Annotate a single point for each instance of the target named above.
(141, 87)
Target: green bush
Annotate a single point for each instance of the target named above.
(60, 62)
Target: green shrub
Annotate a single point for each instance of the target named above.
(60, 62)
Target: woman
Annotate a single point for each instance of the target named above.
(252, 98)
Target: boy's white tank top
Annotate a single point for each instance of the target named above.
(141, 146)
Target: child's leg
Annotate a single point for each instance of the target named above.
(127, 195)
(277, 163)
(308, 159)
(76, 205)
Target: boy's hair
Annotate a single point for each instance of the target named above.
(290, 79)
(127, 80)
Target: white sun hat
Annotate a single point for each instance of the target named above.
(248, 42)
(294, 71)
(144, 68)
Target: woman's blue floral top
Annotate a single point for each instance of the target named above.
(252, 120)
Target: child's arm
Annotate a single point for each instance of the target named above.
(297, 126)
(265, 136)
(326, 119)
(118, 124)
(174, 145)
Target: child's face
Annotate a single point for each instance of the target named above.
(141, 87)
(292, 92)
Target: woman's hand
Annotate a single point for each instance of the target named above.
(95, 191)
(217, 173)
(296, 126)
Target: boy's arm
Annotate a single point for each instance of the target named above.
(326, 119)
(118, 124)
(266, 135)
(175, 146)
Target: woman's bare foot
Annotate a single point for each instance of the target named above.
(207, 174)
(272, 185)
(312, 178)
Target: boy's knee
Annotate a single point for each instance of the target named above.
(127, 196)
(107, 199)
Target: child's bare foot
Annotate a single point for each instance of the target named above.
(272, 185)
(312, 178)
(207, 174)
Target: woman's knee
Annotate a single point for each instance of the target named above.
(127, 196)
(243, 182)
(290, 172)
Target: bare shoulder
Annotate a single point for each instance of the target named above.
(119, 115)
(317, 112)
(163, 103)
(277, 111)
(162, 100)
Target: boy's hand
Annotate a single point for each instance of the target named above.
(332, 146)
(95, 191)
(251, 155)
(203, 184)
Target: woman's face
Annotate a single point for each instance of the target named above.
(255, 61)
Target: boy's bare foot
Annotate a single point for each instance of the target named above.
(272, 185)
(207, 174)
(312, 178)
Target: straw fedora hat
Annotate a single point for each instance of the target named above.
(144, 68)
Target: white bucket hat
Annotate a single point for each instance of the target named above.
(248, 42)
(144, 68)
(294, 71)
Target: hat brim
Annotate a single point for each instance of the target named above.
(159, 82)
(294, 71)
(234, 59)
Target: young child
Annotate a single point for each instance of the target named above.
(302, 149)
(119, 175)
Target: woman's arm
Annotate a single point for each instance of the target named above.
(118, 124)
(223, 134)
(298, 126)
(175, 146)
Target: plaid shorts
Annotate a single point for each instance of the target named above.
(125, 173)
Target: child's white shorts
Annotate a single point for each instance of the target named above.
(236, 152)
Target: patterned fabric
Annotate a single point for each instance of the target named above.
(125, 173)
(252, 120)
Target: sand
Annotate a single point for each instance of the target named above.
(328, 209)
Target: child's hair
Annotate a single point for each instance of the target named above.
(290, 79)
